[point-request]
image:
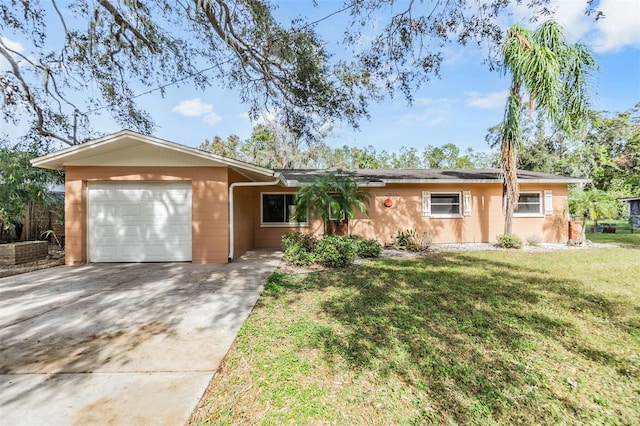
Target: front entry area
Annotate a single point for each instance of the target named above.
(139, 221)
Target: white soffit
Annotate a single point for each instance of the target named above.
(139, 154)
(127, 148)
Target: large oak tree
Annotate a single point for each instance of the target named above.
(83, 58)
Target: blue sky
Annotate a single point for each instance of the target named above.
(459, 107)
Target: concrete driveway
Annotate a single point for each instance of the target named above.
(120, 343)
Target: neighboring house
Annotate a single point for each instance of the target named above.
(634, 212)
(136, 198)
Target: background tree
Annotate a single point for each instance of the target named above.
(606, 150)
(448, 156)
(229, 148)
(406, 158)
(281, 150)
(611, 152)
(22, 185)
(555, 76)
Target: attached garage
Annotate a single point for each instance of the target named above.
(139, 221)
(135, 198)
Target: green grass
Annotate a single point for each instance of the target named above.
(623, 235)
(454, 338)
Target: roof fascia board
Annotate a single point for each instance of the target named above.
(384, 182)
(521, 181)
(294, 183)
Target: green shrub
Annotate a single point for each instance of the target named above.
(407, 240)
(366, 248)
(298, 255)
(336, 251)
(509, 241)
(308, 242)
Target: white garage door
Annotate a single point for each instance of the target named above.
(139, 222)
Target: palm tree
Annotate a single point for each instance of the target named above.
(592, 205)
(331, 196)
(556, 76)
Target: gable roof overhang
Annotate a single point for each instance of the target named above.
(129, 148)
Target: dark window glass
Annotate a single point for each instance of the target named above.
(273, 210)
(278, 208)
(529, 203)
(448, 204)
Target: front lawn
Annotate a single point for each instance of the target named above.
(454, 338)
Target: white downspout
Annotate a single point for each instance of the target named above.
(231, 188)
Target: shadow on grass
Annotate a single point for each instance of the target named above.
(460, 328)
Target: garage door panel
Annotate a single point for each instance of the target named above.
(139, 222)
(131, 211)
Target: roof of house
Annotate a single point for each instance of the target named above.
(376, 177)
(626, 200)
(129, 148)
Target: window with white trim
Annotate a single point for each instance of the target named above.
(441, 204)
(279, 209)
(529, 204)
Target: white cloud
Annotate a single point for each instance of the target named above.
(570, 14)
(620, 26)
(192, 108)
(493, 100)
(243, 116)
(266, 118)
(429, 112)
(212, 119)
(13, 45)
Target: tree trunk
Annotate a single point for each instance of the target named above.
(509, 158)
(511, 188)
(508, 218)
(583, 231)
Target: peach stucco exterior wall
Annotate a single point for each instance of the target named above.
(484, 224)
(269, 236)
(210, 231)
(243, 215)
(553, 228)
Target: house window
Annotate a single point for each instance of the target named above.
(444, 204)
(279, 209)
(529, 204)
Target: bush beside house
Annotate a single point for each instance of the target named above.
(334, 251)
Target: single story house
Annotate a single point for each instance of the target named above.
(136, 198)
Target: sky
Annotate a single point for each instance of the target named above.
(457, 108)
